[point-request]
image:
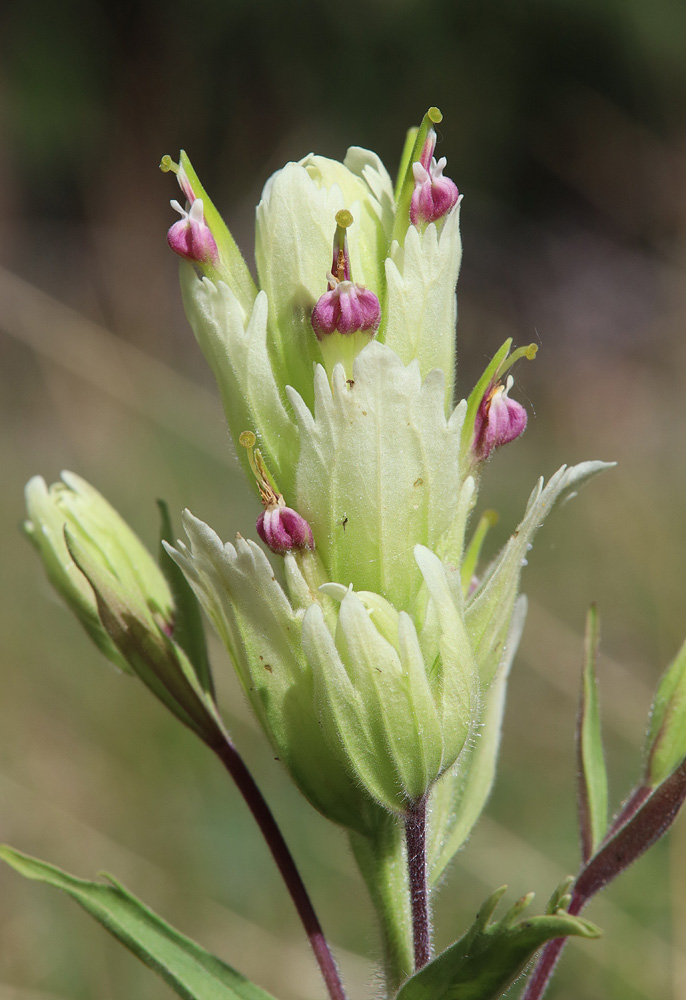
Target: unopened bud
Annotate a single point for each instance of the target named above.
(75, 508)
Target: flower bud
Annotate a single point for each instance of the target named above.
(434, 195)
(118, 592)
(75, 506)
(191, 237)
(499, 419)
(346, 307)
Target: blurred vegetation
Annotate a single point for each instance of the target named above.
(565, 127)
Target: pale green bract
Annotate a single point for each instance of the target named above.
(369, 669)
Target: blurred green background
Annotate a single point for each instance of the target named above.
(565, 128)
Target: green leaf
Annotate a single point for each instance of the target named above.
(490, 957)
(189, 632)
(192, 972)
(666, 740)
(592, 787)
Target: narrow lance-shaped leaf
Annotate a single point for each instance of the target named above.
(191, 971)
(666, 740)
(592, 776)
(643, 819)
(490, 957)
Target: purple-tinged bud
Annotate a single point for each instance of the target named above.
(283, 529)
(191, 237)
(434, 195)
(346, 307)
(499, 419)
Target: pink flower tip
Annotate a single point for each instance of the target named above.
(434, 195)
(191, 237)
(347, 308)
(282, 529)
(499, 420)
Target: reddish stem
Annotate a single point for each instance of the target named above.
(234, 764)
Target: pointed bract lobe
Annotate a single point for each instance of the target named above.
(420, 310)
(488, 612)
(235, 346)
(377, 470)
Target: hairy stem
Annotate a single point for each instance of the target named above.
(381, 860)
(234, 764)
(415, 838)
(548, 959)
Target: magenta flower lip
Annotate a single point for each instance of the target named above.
(434, 195)
(346, 308)
(191, 237)
(498, 421)
(282, 529)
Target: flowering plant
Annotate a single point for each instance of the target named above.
(372, 645)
